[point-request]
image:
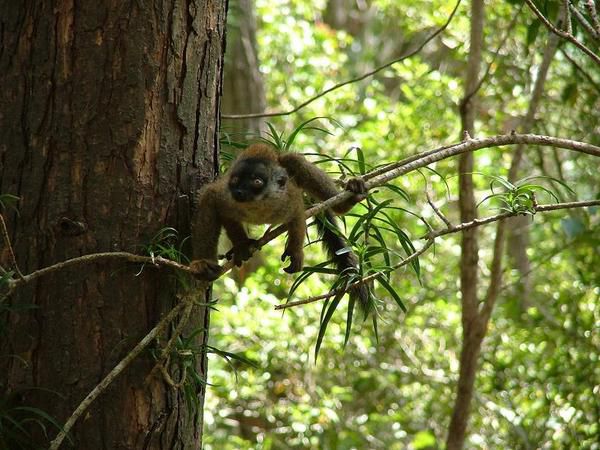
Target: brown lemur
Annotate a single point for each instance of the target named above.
(264, 186)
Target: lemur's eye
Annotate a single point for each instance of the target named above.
(258, 182)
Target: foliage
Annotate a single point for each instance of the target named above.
(520, 197)
(535, 385)
(16, 420)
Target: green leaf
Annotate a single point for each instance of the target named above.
(532, 33)
(303, 126)
(325, 321)
(236, 356)
(392, 292)
(351, 303)
(8, 201)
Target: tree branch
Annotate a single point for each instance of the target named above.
(584, 23)
(353, 80)
(539, 208)
(431, 236)
(581, 70)
(591, 7)
(94, 258)
(508, 32)
(389, 172)
(376, 178)
(11, 253)
(366, 279)
(563, 34)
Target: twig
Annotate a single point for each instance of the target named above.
(436, 209)
(563, 34)
(486, 220)
(353, 80)
(581, 70)
(431, 236)
(584, 23)
(488, 69)
(567, 12)
(169, 379)
(114, 373)
(11, 254)
(381, 176)
(98, 257)
(366, 279)
(591, 7)
(165, 352)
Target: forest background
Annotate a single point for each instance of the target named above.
(475, 125)
(537, 379)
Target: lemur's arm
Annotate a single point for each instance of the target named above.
(206, 228)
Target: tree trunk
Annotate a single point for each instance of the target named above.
(108, 114)
(473, 329)
(244, 91)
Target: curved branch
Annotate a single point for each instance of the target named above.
(539, 208)
(366, 279)
(431, 236)
(376, 178)
(387, 173)
(93, 258)
(353, 80)
(563, 34)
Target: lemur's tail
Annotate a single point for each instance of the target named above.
(344, 258)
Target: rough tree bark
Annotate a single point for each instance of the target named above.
(108, 120)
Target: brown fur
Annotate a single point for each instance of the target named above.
(216, 208)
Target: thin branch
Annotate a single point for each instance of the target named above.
(431, 236)
(568, 16)
(563, 34)
(353, 80)
(507, 34)
(94, 258)
(584, 23)
(364, 280)
(539, 208)
(165, 352)
(11, 253)
(436, 210)
(591, 7)
(581, 70)
(169, 379)
(395, 170)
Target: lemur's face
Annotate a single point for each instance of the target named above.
(251, 179)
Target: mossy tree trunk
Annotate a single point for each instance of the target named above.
(108, 121)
